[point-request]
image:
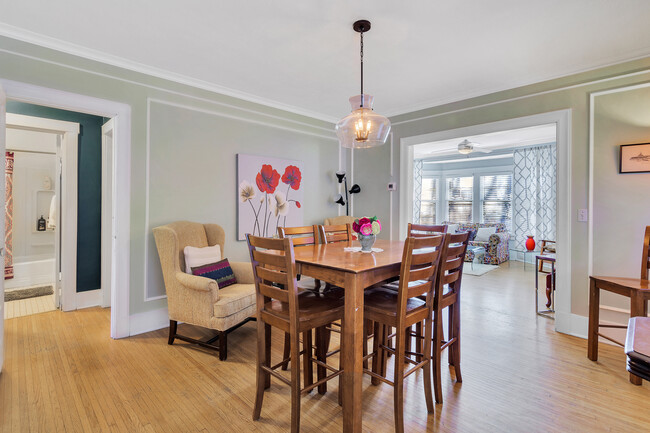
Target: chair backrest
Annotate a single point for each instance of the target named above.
(336, 233)
(274, 270)
(645, 257)
(342, 219)
(450, 271)
(419, 270)
(420, 230)
(305, 235)
(171, 239)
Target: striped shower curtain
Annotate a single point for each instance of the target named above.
(9, 213)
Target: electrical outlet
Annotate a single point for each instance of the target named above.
(583, 215)
(392, 186)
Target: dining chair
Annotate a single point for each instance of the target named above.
(637, 289)
(447, 295)
(420, 230)
(280, 304)
(545, 247)
(301, 236)
(335, 233)
(401, 309)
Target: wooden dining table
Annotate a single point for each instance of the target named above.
(354, 271)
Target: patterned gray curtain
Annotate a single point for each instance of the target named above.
(534, 194)
(417, 190)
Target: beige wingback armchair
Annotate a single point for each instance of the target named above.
(198, 300)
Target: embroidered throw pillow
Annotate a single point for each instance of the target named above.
(195, 256)
(220, 271)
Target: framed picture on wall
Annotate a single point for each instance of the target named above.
(269, 195)
(634, 158)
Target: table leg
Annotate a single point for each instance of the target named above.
(352, 354)
(536, 285)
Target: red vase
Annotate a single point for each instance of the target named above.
(530, 243)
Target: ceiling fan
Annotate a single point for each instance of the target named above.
(466, 147)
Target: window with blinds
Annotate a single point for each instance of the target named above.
(496, 198)
(460, 191)
(428, 200)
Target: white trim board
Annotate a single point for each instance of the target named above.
(148, 321)
(122, 115)
(89, 298)
(562, 119)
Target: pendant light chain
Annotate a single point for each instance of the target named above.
(361, 56)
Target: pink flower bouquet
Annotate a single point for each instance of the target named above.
(367, 226)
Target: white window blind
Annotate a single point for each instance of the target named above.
(460, 191)
(496, 198)
(428, 200)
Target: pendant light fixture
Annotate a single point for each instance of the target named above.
(363, 127)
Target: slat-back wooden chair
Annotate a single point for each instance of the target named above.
(412, 303)
(637, 289)
(280, 304)
(420, 230)
(447, 295)
(335, 233)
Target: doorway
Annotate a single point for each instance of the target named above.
(561, 119)
(120, 243)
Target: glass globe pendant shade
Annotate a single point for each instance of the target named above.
(362, 128)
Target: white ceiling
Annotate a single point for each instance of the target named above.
(303, 55)
(492, 141)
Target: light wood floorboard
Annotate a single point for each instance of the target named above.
(64, 374)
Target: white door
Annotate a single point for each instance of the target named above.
(108, 216)
(3, 146)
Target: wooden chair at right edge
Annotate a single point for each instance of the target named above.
(637, 289)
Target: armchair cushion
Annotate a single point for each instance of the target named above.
(221, 272)
(233, 299)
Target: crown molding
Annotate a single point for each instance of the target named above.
(30, 37)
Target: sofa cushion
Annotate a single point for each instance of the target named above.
(195, 256)
(233, 299)
(221, 272)
(483, 233)
(472, 233)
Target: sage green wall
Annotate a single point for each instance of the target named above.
(566, 93)
(260, 129)
(621, 201)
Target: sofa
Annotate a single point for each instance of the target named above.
(497, 248)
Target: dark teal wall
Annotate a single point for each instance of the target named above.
(89, 188)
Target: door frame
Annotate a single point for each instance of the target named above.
(121, 201)
(107, 215)
(66, 227)
(564, 320)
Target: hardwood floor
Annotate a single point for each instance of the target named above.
(63, 373)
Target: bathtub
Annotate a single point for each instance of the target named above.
(32, 273)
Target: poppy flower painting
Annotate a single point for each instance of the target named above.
(270, 195)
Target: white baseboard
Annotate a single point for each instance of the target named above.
(140, 323)
(91, 298)
(572, 324)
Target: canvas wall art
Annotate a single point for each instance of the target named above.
(634, 158)
(269, 195)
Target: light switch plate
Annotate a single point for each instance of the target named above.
(583, 215)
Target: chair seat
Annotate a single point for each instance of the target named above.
(384, 301)
(311, 306)
(233, 299)
(625, 283)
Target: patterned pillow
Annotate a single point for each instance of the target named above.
(220, 271)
